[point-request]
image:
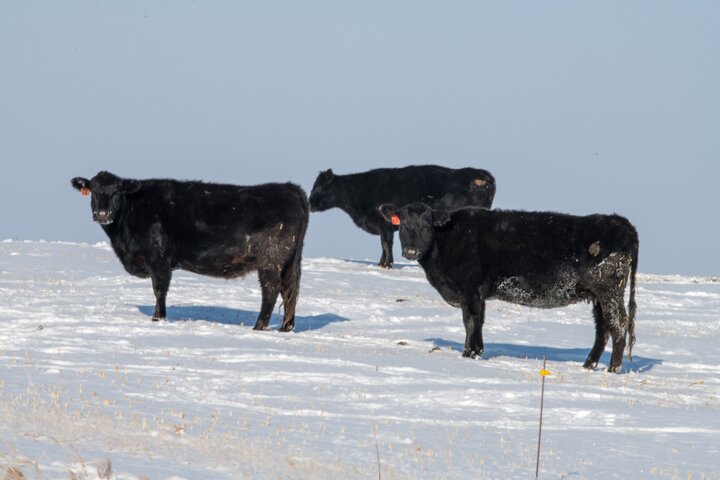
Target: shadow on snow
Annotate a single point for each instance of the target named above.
(492, 350)
(234, 316)
(368, 263)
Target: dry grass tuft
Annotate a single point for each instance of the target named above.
(12, 473)
(104, 469)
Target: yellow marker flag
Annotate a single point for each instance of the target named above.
(545, 373)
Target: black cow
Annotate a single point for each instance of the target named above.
(359, 194)
(157, 226)
(538, 259)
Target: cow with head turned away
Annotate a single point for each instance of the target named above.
(359, 194)
(157, 226)
(537, 259)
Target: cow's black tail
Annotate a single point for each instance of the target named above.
(632, 306)
(290, 279)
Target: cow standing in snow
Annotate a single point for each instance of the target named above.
(538, 259)
(359, 194)
(226, 231)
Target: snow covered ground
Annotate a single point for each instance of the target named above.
(370, 385)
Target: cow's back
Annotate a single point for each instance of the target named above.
(439, 187)
(224, 211)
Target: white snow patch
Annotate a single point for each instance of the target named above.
(88, 383)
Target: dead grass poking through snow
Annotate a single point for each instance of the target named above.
(12, 473)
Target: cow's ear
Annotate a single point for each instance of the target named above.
(130, 186)
(329, 175)
(440, 217)
(81, 184)
(389, 213)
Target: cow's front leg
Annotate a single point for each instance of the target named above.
(270, 286)
(473, 317)
(386, 241)
(161, 283)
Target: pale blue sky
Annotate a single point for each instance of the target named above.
(574, 106)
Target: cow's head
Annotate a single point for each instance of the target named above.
(323, 195)
(416, 223)
(108, 194)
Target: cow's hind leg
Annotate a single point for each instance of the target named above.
(386, 241)
(601, 337)
(473, 317)
(617, 322)
(270, 286)
(161, 283)
(289, 290)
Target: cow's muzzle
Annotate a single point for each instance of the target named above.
(411, 253)
(315, 205)
(103, 217)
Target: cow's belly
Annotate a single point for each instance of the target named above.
(239, 258)
(368, 227)
(221, 264)
(555, 291)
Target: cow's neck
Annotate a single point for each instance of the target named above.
(112, 230)
(438, 277)
(347, 191)
(429, 261)
(116, 233)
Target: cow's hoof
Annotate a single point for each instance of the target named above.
(590, 365)
(614, 368)
(385, 265)
(472, 354)
(260, 327)
(286, 327)
(157, 319)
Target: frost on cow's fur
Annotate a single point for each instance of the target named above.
(563, 291)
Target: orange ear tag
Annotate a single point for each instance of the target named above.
(395, 220)
(85, 191)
